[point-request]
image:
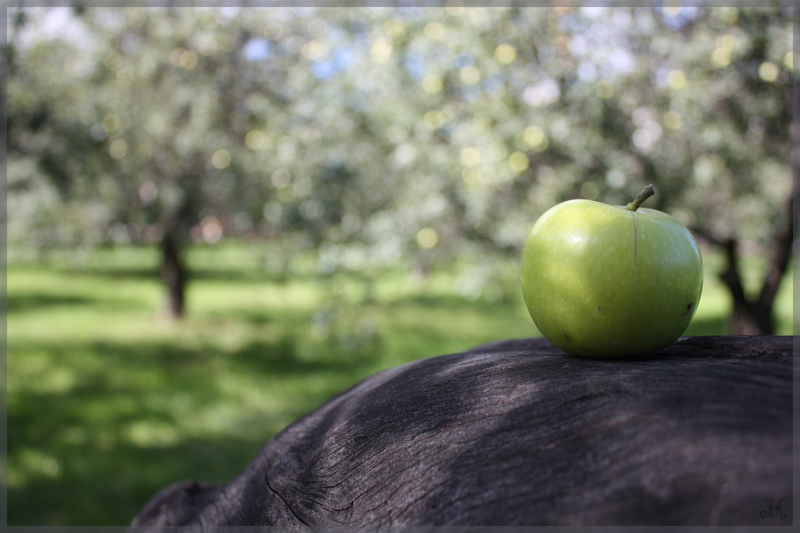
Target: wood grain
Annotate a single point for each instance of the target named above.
(519, 433)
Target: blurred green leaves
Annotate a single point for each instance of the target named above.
(350, 130)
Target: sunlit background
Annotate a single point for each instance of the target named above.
(219, 217)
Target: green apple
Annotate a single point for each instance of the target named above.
(607, 281)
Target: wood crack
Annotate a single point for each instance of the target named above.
(279, 495)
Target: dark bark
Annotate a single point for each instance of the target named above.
(173, 275)
(755, 316)
(519, 433)
(748, 317)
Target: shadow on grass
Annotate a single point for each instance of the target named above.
(449, 302)
(108, 484)
(94, 451)
(193, 274)
(36, 302)
(261, 316)
(282, 359)
(28, 302)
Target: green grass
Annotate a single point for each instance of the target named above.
(108, 403)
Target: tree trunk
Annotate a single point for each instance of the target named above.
(755, 316)
(173, 275)
(748, 317)
(518, 433)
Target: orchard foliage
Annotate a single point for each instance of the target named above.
(377, 137)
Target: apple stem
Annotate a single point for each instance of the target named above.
(639, 200)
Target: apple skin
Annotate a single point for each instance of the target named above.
(604, 281)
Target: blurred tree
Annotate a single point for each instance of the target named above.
(382, 135)
(133, 116)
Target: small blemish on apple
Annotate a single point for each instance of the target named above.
(688, 309)
(599, 308)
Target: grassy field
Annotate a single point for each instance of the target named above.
(108, 403)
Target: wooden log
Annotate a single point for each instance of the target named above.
(519, 433)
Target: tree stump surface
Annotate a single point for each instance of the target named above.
(519, 433)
